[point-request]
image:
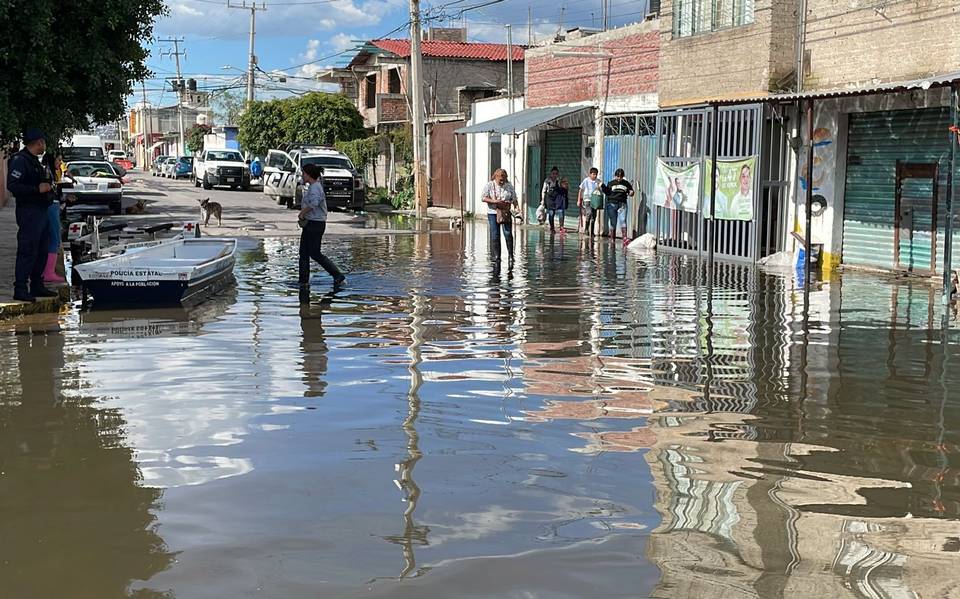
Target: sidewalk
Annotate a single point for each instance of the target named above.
(8, 257)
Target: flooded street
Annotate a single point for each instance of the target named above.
(593, 423)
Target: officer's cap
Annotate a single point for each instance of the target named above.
(31, 135)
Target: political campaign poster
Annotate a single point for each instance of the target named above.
(735, 184)
(677, 187)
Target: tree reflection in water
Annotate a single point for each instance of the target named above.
(77, 521)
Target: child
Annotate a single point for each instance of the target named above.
(618, 190)
(590, 199)
(557, 204)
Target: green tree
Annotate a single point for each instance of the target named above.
(46, 84)
(262, 126)
(228, 107)
(195, 137)
(362, 152)
(319, 118)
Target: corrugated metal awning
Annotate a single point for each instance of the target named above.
(519, 122)
(878, 88)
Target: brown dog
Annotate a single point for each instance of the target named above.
(139, 208)
(208, 209)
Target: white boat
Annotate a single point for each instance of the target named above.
(174, 272)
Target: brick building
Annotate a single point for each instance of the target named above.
(455, 74)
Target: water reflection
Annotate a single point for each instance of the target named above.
(77, 520)
(590, 423)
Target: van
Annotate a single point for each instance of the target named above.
(84, 147)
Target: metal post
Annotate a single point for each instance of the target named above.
(712, 225)
(808, 233)
(948, 227)
(252, 59)
(513, 138)
(179, 89)
(145, 127)
(416, 106)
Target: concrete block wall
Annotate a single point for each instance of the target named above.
(631, 71)
(729, 63)
(443, 77)
(870, 42)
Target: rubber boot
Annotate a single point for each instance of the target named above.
(50, 272)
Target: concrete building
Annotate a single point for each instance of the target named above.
(877, 77)
(455, 74)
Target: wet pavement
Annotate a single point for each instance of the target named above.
(593, 423)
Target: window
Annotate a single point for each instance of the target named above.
(393, 83)
(329, 162)
(495, 151)
(371, 91)
(222, 156)
(692, 17)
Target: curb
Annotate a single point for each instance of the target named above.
(11, 309)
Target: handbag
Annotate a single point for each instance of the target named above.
(596, 199)
(503, 216)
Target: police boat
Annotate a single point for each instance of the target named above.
(181, 271)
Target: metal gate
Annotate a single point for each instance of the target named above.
(630, 143)
(446, 176)
(684, 137)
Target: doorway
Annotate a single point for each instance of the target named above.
(915, 216)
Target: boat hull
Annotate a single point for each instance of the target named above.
(120, 292)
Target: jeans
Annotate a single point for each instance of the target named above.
(53, 214)
(550, 215)
(495, 236)
(33, 226)
(310, 238)
(616, 217)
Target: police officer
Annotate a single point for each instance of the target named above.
(32, 186)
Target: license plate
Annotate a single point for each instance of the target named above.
(89, 187)
(231, 179)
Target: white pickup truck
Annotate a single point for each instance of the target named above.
(221, 167)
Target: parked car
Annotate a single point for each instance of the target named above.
(157, 162)
(112, 155)
(93, 183)
(123, 162)
(168, 166)
(84, 147)
(183, 168)
(342, 183)
(221, 167)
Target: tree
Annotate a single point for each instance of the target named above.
(262, 126)
(44, 82)
(319, 118)
(228, 107)
(315, 118)
(362, 152)
(195, 137)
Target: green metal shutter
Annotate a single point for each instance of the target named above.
(876, 141)
(563, 150)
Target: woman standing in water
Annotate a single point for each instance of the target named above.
(313, 220)
(618, 190)
(500, 197)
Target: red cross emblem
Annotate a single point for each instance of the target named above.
(74, 228)
(188, 227)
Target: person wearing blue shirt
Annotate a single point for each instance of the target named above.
(32, 186)
(313, 220)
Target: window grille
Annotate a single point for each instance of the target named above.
(693, 17)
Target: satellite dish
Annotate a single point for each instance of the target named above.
(818, 205)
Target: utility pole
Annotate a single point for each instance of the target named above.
(252, 59)
(529, 26)
(604, 3)
(176, 41)
(147, 138)
(416, 105)
(511, 146)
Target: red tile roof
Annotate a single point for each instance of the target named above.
(444, 49)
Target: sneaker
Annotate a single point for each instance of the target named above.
(23, 296)
(44, 292)
(340, 281)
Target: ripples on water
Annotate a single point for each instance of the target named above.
(589, 424)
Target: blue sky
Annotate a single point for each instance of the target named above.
(293, 32)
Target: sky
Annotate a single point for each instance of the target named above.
(297, 38)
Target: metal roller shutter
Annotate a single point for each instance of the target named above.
(563, 150)
(876, 141)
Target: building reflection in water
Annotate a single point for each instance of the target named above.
(77, 521)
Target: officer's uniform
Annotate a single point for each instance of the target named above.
(24, 177)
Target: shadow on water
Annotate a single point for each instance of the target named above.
(586, 422)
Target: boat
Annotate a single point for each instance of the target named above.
(181, 271)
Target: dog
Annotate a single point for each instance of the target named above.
(139, 208)
(208, 209)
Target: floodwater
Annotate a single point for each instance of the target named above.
(590, 424)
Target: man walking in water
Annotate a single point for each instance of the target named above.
(313, 220)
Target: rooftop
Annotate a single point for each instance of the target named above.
(445, 49)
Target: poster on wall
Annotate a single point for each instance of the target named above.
(677, 187)
(734, 189)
